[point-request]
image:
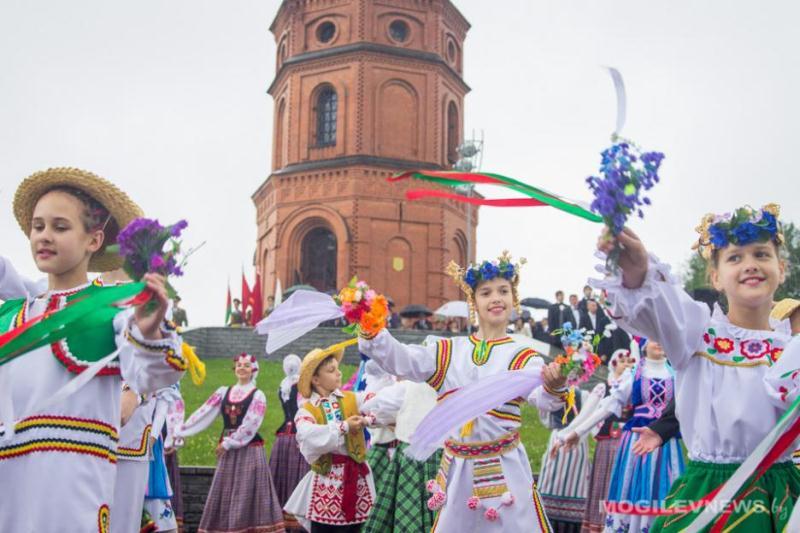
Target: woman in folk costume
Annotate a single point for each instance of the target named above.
(607, 442)
(635, 479)
(287, 464)
(338, 493)
(382, 441)
(159, 492)
(485, 481)
(66, 452)
(564, 478)
(242, 496)
(731, 383)
(402, 500)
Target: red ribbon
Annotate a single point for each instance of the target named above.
(449, 175)
(416, 194)
(352, 471)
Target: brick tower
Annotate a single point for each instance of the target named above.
(363, 89)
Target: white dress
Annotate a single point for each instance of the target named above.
(727, 390)
(447, 364)
(57, 472)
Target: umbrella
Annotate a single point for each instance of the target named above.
(536, 303)
(288, 292)
(415, 311)
(453, 309)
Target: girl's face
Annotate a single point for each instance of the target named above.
(60, 242)
(243, 369)
(328, 377)
(654, 351)
(748, 275)
(494, 302)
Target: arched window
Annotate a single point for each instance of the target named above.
(318, 259)
(452, 133)
(326, 107)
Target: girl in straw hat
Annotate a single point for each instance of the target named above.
(338, 494)
(242, 495)
(484, 482)
(61, 456)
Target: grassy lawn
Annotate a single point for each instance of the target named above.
(199, 450)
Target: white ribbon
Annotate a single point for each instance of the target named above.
(619, 87)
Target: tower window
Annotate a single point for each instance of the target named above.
(398, 31)
(326, 31)
(327, 105)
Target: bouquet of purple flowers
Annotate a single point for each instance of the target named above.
(626, 173)
(147, 246)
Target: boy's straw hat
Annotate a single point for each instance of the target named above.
(121, 208)
(312, 361)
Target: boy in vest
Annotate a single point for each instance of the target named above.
(338, 493)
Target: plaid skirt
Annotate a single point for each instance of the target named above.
(174, 472)
(402, 501)
(595, 515)
(242, 498)
(288, 466)
(379, 459)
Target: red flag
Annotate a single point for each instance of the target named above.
(246, 297)
(257, 301)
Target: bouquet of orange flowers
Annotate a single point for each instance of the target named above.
(364, 309)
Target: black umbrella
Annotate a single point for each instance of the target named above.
(415, 311)
(536, 303)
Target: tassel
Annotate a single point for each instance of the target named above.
(466, 429)
(197, 368)
(570, 400)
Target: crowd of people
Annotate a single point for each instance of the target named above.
(91, 411)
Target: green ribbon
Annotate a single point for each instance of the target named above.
(81, 313)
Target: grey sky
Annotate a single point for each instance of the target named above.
(168, 99)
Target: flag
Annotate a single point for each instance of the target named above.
(228, 305)
(257, 302)
(246, 297)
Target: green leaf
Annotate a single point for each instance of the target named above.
(353, 282)
(712, 351)
(113, 249)
(712, 331)
(738, 358)
(629, 189)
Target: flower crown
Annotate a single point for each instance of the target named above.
(744, 226)
(468, 278)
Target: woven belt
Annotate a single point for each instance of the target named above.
(482, 450)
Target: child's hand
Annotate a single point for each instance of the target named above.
(632, 258)
(552, 377)
(150, 324)
(355, 424)
(220, 450)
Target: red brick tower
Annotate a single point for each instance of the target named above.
(363, 88)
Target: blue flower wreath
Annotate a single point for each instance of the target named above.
(488, 270)
(745, 226)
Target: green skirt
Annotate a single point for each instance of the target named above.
(401, 504)
(766, 506)
(378, 460)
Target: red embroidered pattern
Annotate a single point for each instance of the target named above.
(326, 499)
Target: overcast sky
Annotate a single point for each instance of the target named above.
(168, 99)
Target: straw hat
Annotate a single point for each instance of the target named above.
(312, 361)
(122, 209)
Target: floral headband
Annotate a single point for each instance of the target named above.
(468, 278)
(744, 226)
(247, 357)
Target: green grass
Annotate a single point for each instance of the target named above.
(199, 450)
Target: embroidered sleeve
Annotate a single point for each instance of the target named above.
(660, 310)
(204, 416)
(407, 361)
(782, 380)
(525, 356)
(315, 440)
(250, 424)
(547, 400)
(148, 365)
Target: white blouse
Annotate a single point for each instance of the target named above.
(727, 384)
